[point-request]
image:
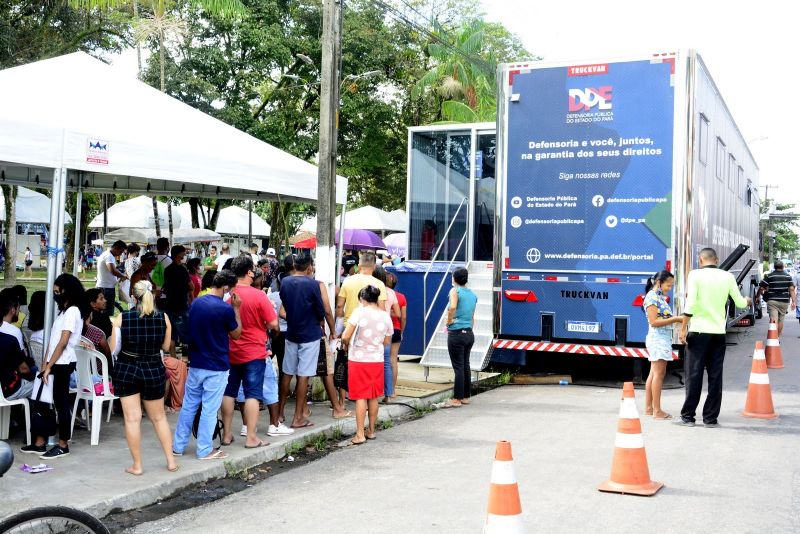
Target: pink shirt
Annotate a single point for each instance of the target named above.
(256, 313)
(372, 327)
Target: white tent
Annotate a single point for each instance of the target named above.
(364, 218)
(30, 207)
(124, 136)
(147, 236)
(73, 123)
(137, 212)
(232, 220)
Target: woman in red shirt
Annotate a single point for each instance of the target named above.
(399, 324)
(193, 266)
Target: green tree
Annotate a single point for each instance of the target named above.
(786, 242)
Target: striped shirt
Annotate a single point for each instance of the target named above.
(778, 284)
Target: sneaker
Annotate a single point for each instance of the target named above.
(34, 449)
(243, 431)
(280, 430)
(684, 422)
(711, 425)
(55, 452)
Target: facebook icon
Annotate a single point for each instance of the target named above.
(598, 201)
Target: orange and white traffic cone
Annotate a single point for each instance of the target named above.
(759, 394)
(505, 510)
(629, 471)
(774, 356)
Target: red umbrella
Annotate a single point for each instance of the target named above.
(309, 243)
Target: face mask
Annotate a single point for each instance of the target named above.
(58, 298)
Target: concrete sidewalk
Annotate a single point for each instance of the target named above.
(93, 478)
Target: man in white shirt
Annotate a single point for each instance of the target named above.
(108, 275)
(225, 255)
(9, 307)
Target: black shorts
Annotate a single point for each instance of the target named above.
(397, 336)
(147, 377)
(28, 263)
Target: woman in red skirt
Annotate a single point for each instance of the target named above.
(368, 331)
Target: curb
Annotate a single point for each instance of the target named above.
(274, 451)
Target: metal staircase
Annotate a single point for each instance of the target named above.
(480, 282)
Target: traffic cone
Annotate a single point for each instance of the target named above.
(759, 394)
(505, 510)
(774, 356)
(629, 471)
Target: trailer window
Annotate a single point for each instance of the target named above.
(731, 172)
(740, 183)
(749, 193)
(720, 159)
(702, 141)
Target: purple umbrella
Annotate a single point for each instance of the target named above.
(360, 239)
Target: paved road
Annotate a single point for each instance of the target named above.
(432, 475)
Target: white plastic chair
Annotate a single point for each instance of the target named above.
(5, 416)
(37, 353)
(85, 368)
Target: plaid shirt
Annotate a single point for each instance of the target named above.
(143, 336)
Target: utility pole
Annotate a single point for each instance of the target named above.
(769, 236)
(328, 133)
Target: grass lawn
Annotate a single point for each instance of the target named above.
(39, 280)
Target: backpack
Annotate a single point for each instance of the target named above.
(157, 276)
(216, 435)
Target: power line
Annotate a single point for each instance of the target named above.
(487, 67)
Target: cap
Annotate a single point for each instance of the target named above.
(270, 252)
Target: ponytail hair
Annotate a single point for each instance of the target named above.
(659, 278)
(143, 291)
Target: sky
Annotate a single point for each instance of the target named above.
(749, 48)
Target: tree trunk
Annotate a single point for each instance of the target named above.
(169, 216)
(155, 217)
(279, 229)
(10, 264)
(69, 231)
(193, 208)
(161, 59)
(212, 224)
(138, 46)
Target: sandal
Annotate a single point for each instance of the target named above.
(664, 417)
(452, 404)
(354, 442)
(216, 455)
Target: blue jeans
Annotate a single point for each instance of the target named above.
(203, 391)
(388, 382)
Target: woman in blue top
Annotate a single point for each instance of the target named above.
(659, 339)
(460, 338)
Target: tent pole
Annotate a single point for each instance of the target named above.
(249, 223)
(78, 229)
(341, 244)
(52, 259)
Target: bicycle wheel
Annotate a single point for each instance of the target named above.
(52, 519)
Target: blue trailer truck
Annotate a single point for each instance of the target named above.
(609, 171)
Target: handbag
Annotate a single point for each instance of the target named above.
(42, 392)
(340, 370)
(43, 419)
(322, 359)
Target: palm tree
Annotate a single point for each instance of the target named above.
(161, 24)
(462, 75)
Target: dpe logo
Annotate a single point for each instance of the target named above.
(586, 99)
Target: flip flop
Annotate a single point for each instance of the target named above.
(261, 443)
(217, 455)
(354, 442)
(450, 404)
(177, 453)
(373, 437)
(345, 416)
(307, 424)
(226, 443)
(173, 469)
(665, 417)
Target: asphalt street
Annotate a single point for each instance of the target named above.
(432, 475)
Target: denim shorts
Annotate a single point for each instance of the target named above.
(250, 376)
(300, 359)
(269, 394)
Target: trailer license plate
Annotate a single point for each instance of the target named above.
(583, 326)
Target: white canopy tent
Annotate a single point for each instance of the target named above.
(137, 212)
(30, 207)
(73, 123)
(232, 220)
(147, 236)
(365, 218)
